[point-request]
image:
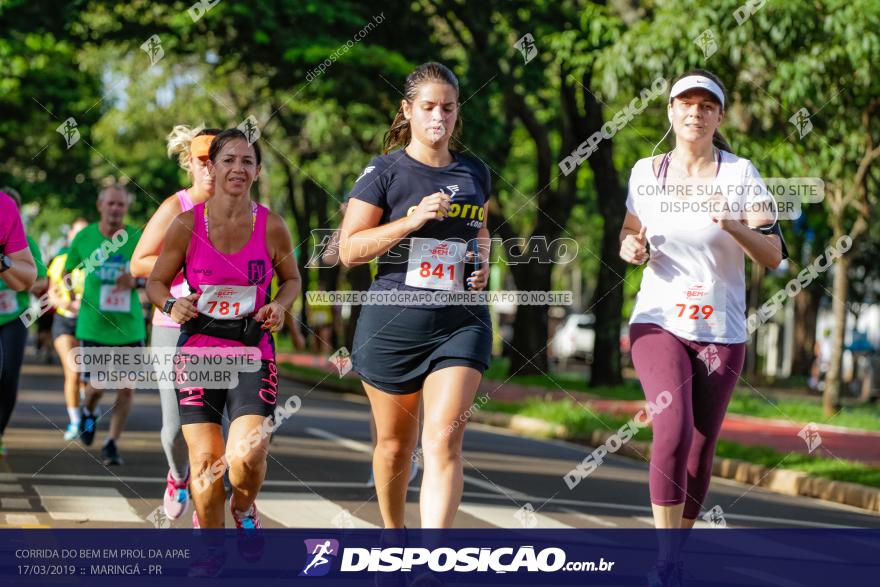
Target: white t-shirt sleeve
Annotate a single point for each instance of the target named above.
(756, 201)
(630, 191)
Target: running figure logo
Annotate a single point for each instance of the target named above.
(710, 358)
(153, 48)
(526, 516)
(801, 121)
(811, 436)
(317, 561)
(158, 518)
(715, 517)
(250, 128)
(526, 46)
(256, 271)
(68, 130)
(706, 41)
(341, 359)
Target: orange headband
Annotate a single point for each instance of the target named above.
(200, 146)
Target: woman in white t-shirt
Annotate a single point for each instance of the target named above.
(693, 214)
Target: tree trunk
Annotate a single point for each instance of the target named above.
(301, 220)
(831, 395)
(757, 277)
(530, 336)
(806, 309)
(607, 305)
(607, 299)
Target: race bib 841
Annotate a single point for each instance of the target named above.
(436, 264)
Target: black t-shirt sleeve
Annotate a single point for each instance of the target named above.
(485, 178)
(371, 186)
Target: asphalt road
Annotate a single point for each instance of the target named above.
(318, 467)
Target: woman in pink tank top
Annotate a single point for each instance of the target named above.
(229, 248)
(191, 146)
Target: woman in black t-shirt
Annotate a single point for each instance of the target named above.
(419, 209)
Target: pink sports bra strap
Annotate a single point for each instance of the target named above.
(186, 203)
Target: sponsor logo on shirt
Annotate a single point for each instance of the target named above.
(256, 271)
(460, 211)
(453, 189)
(366, 170)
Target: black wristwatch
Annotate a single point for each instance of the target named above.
(169, 303)
(5, 263)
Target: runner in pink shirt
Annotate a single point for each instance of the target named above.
(191, 146)
(17, 268)
(230, 248)
(18, 271)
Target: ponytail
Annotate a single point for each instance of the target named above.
(178, 143)
(720, 142)
(400, 133)
(179, 140)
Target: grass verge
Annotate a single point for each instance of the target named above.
(581, 423)
(745, 401)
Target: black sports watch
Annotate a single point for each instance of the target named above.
(169, 303)
(5, 263)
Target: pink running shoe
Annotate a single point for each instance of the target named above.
(208, 564)
(176, 496)
(251, 542)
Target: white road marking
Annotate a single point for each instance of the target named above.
(307, 510)
(92, 504)
(504, 516)
(341, 440)
(592, 519)
(22, 520)
(15, 503)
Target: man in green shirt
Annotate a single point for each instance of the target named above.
(110, 313)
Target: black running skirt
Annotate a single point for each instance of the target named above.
(396, 347)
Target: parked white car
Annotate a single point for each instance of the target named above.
(575, 338)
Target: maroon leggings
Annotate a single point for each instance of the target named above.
(701, 377)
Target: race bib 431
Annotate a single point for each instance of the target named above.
(114, 299)
(8, 301)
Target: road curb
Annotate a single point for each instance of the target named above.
(782, 481)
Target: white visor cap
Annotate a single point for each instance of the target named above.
(697, 82)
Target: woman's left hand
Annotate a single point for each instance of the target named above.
(479, 279)
(271, 315)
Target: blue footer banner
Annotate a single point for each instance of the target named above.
(324, 557)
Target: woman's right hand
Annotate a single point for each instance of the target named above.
(634, 248)
(433, 207)
(185, 309)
